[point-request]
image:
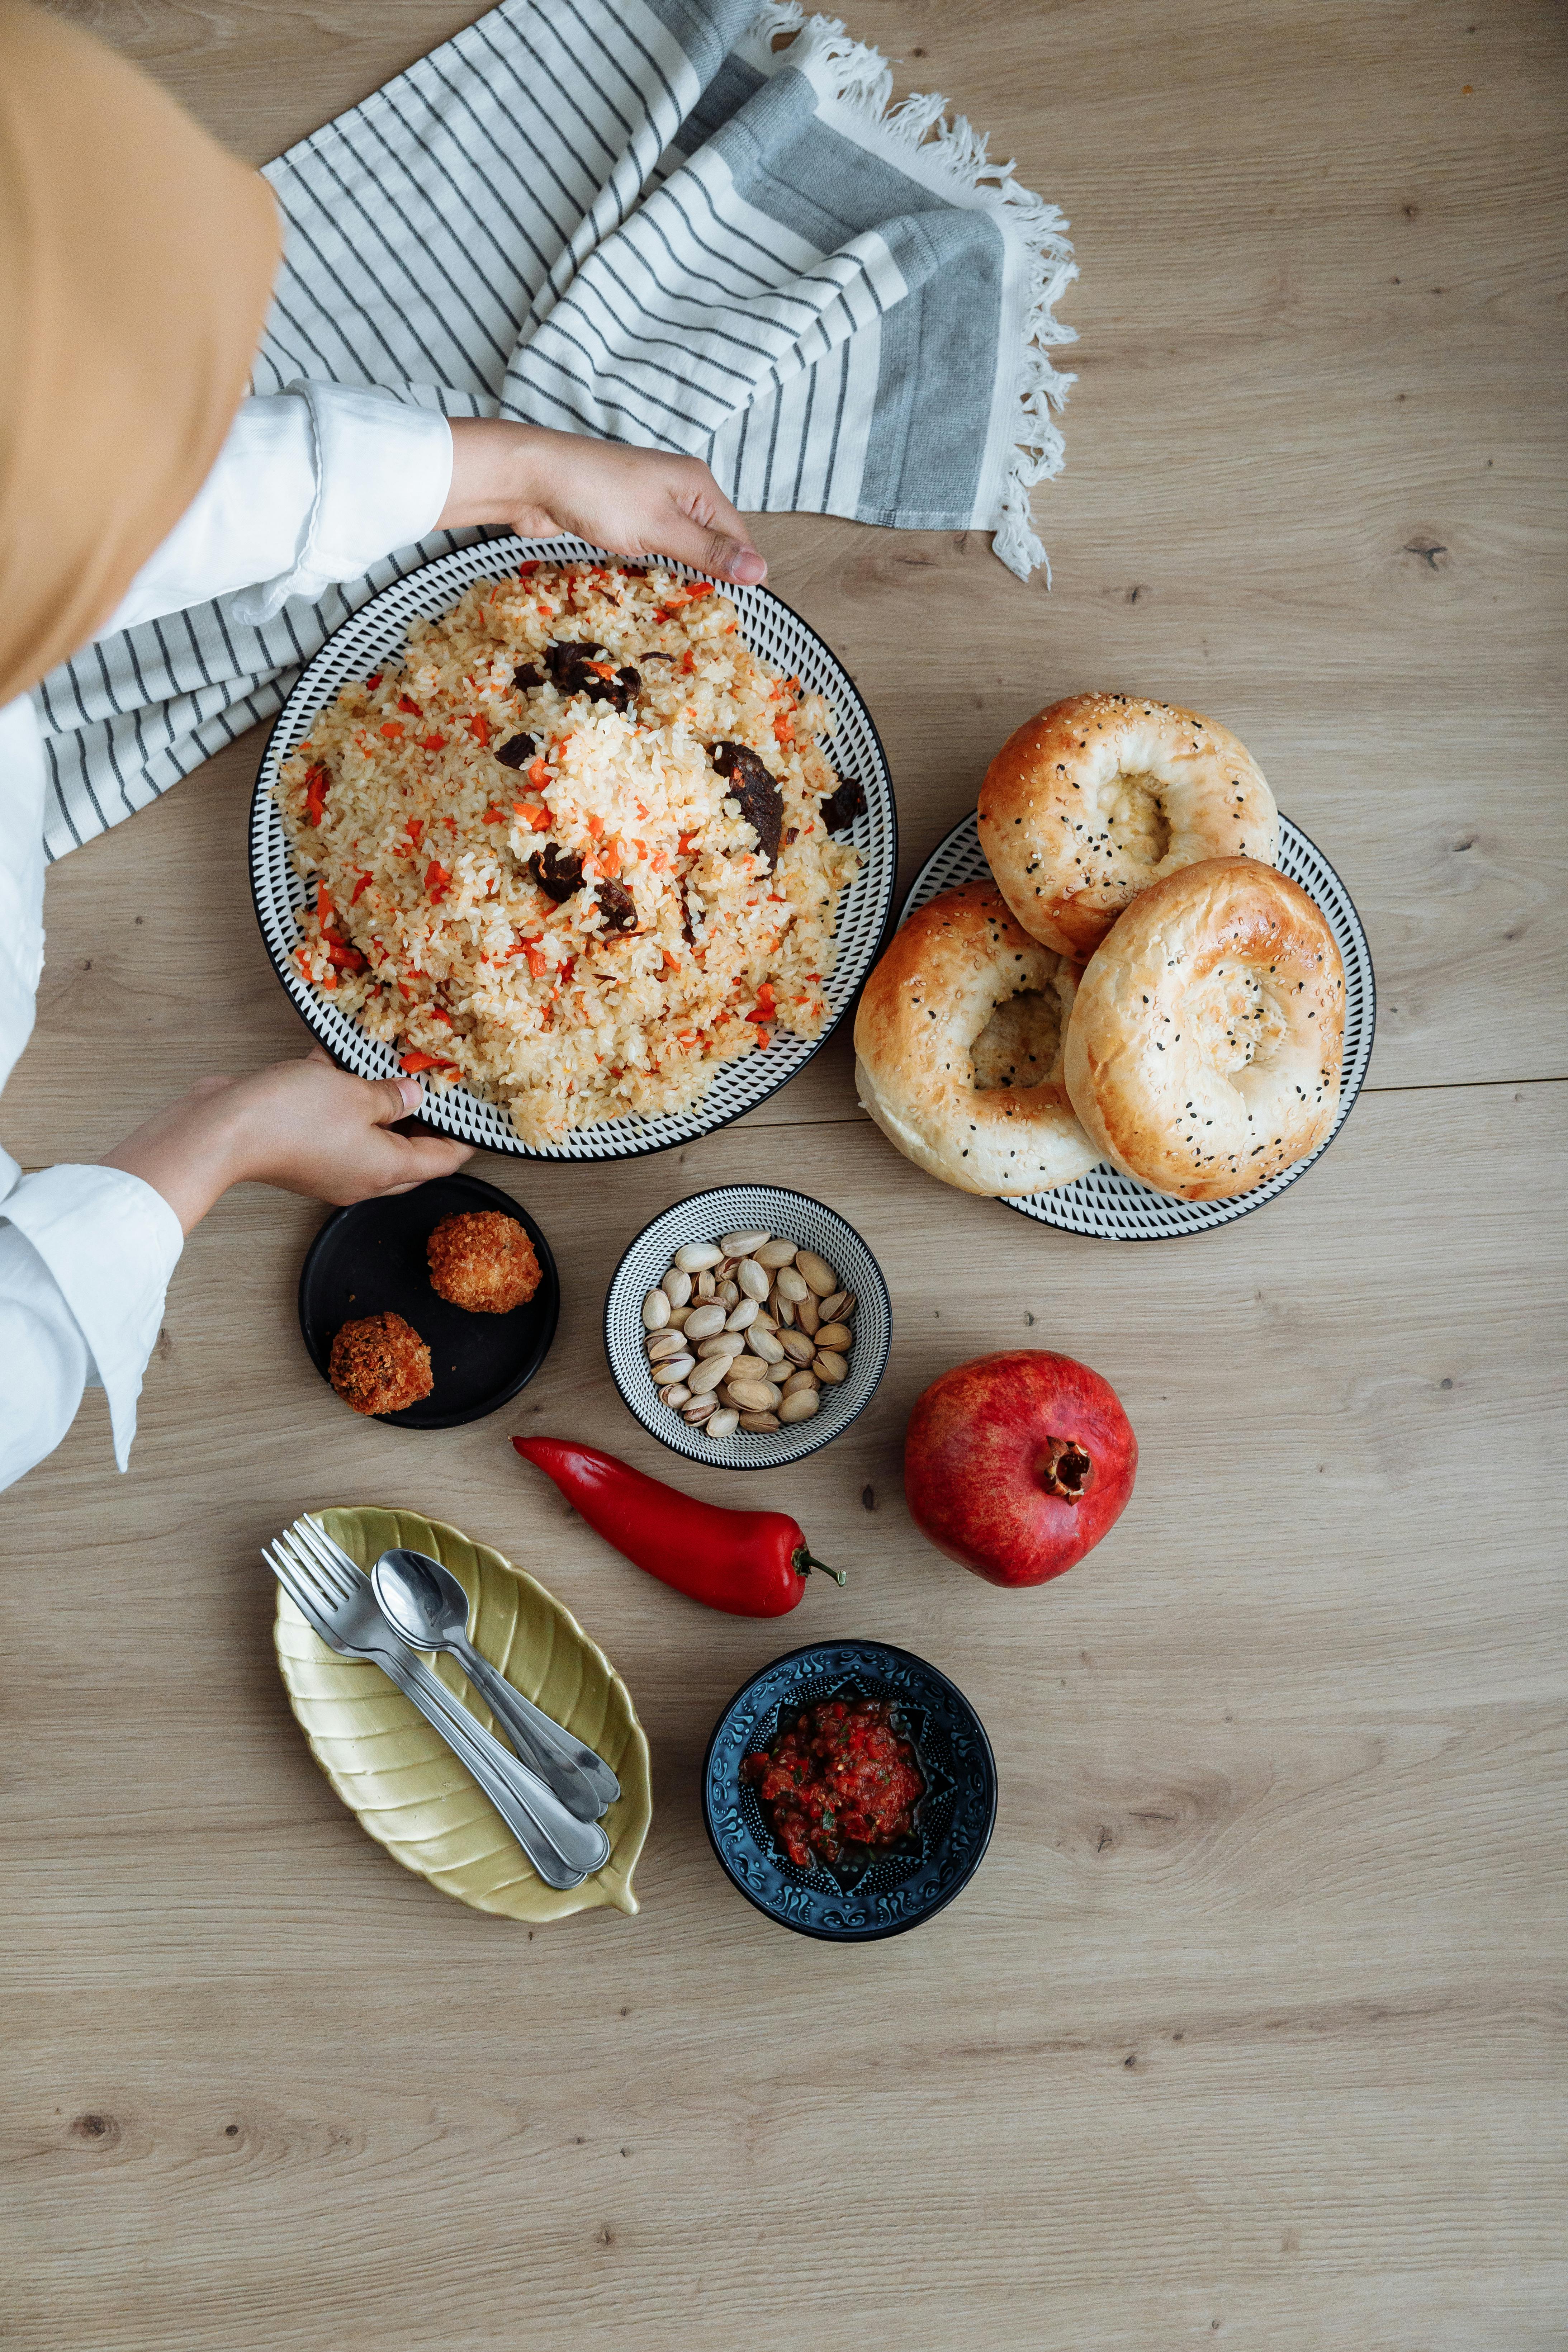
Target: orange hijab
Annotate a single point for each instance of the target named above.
(136, 260)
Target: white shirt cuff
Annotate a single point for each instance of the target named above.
(312, 485)
(382, 473)
(111, 1243)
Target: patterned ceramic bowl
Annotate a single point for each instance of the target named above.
(737, 1208)
(873, 1892)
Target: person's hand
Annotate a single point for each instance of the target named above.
(640, 502)
(306, 1126)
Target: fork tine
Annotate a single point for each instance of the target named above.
(329, 1546)
(331, 1542)
(307, 1572)
(340, 1573)
(300, 1594)
(305, 1542)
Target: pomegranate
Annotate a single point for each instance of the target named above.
(1015, 1465)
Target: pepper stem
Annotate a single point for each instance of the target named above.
(802, 1563)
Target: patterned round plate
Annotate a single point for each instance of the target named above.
(1113, 1207)
(776, 635)
(403, 1783)
(879, 1892)
(740, 1208)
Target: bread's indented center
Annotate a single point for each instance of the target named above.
(1135, 819)
(1020, 1045)
(1236, 1016)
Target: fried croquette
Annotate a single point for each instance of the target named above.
(380, 1364)
(482, 1261)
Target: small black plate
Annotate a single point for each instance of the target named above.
(369, 1260)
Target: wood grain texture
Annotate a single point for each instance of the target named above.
(1251, 2031)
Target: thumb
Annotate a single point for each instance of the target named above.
(395, 1098)
(710, 535)
(729, 559)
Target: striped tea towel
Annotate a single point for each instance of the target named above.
(691, 224)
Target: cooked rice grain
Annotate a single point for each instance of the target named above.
(428, 924)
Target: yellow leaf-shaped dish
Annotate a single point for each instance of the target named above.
(405, 1784)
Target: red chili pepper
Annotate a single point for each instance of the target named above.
(361, 886)
(414, 1063)
(406, 702)
(748, 1563)
(438, 880)
(435, 742)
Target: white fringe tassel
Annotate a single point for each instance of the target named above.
(859, 76)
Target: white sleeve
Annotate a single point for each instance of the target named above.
(85, 1253)
(85, 1259)
(312, 485)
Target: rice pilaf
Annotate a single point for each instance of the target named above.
(532, 877)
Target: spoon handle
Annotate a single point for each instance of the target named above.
(582, 1780)
(463, 1737)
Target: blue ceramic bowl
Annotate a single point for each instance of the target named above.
(887, 1890)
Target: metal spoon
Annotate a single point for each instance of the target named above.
(429, 1608)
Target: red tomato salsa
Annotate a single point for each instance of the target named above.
(838, 1775)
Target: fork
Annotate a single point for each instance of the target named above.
(583, 1845)
(345, 1615)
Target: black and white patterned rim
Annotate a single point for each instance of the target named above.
(1113, 1207)
(776, 635)
(703, 1217)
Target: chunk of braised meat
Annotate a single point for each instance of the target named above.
(841, 808)
(526, 675)
(557, 874)
(575, 665)
(567, 662)
(618, 906)
(761, 800)
(620, 691)
(517, 750)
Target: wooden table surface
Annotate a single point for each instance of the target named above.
(1250, 2030)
